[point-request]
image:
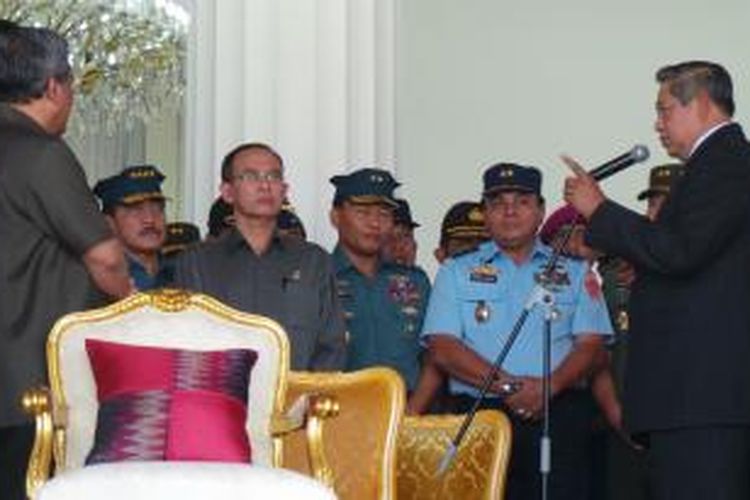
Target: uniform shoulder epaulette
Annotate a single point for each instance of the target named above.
(465, 251)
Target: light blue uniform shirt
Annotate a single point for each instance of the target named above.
(478, 297)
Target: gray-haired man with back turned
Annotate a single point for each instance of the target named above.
(57, 254)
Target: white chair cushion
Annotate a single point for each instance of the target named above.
(183, 481)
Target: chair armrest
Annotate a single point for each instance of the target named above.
(37, 403)
(310, 411)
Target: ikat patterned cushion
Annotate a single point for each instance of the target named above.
(170, 404)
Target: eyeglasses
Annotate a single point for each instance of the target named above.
(272, 176)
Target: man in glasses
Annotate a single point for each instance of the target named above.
(256, 269)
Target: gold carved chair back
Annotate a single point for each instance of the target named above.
(360, 443)
(478, 469)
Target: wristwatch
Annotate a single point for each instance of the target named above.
(509, 387)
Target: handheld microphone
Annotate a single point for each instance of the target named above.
(638, 154)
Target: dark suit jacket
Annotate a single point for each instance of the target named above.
(48, 219)
(689, 358)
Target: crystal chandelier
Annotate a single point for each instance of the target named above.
(128, 56)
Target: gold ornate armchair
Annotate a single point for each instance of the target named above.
(66, 413)
(377, 453)
(478, 469)
(360, 443)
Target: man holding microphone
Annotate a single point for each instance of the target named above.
(687, 390)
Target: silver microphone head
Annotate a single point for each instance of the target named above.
(639, 153)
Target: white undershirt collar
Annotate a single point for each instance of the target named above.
(706, 135)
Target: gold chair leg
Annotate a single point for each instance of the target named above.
(321, 408)
(36, 402)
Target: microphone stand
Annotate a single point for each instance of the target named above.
(545, 445)
(543, 296)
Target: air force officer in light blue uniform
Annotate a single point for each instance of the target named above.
(477, 298)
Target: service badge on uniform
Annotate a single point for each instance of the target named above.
(410, 310)
(554, 280)
(402, 290)
(482, 312)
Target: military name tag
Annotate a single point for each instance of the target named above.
(486, 273)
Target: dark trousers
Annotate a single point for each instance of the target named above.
(570, 429)
(700, 463)
(626, 476)
(15, 447)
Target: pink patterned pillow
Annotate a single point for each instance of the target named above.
(170, 404)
